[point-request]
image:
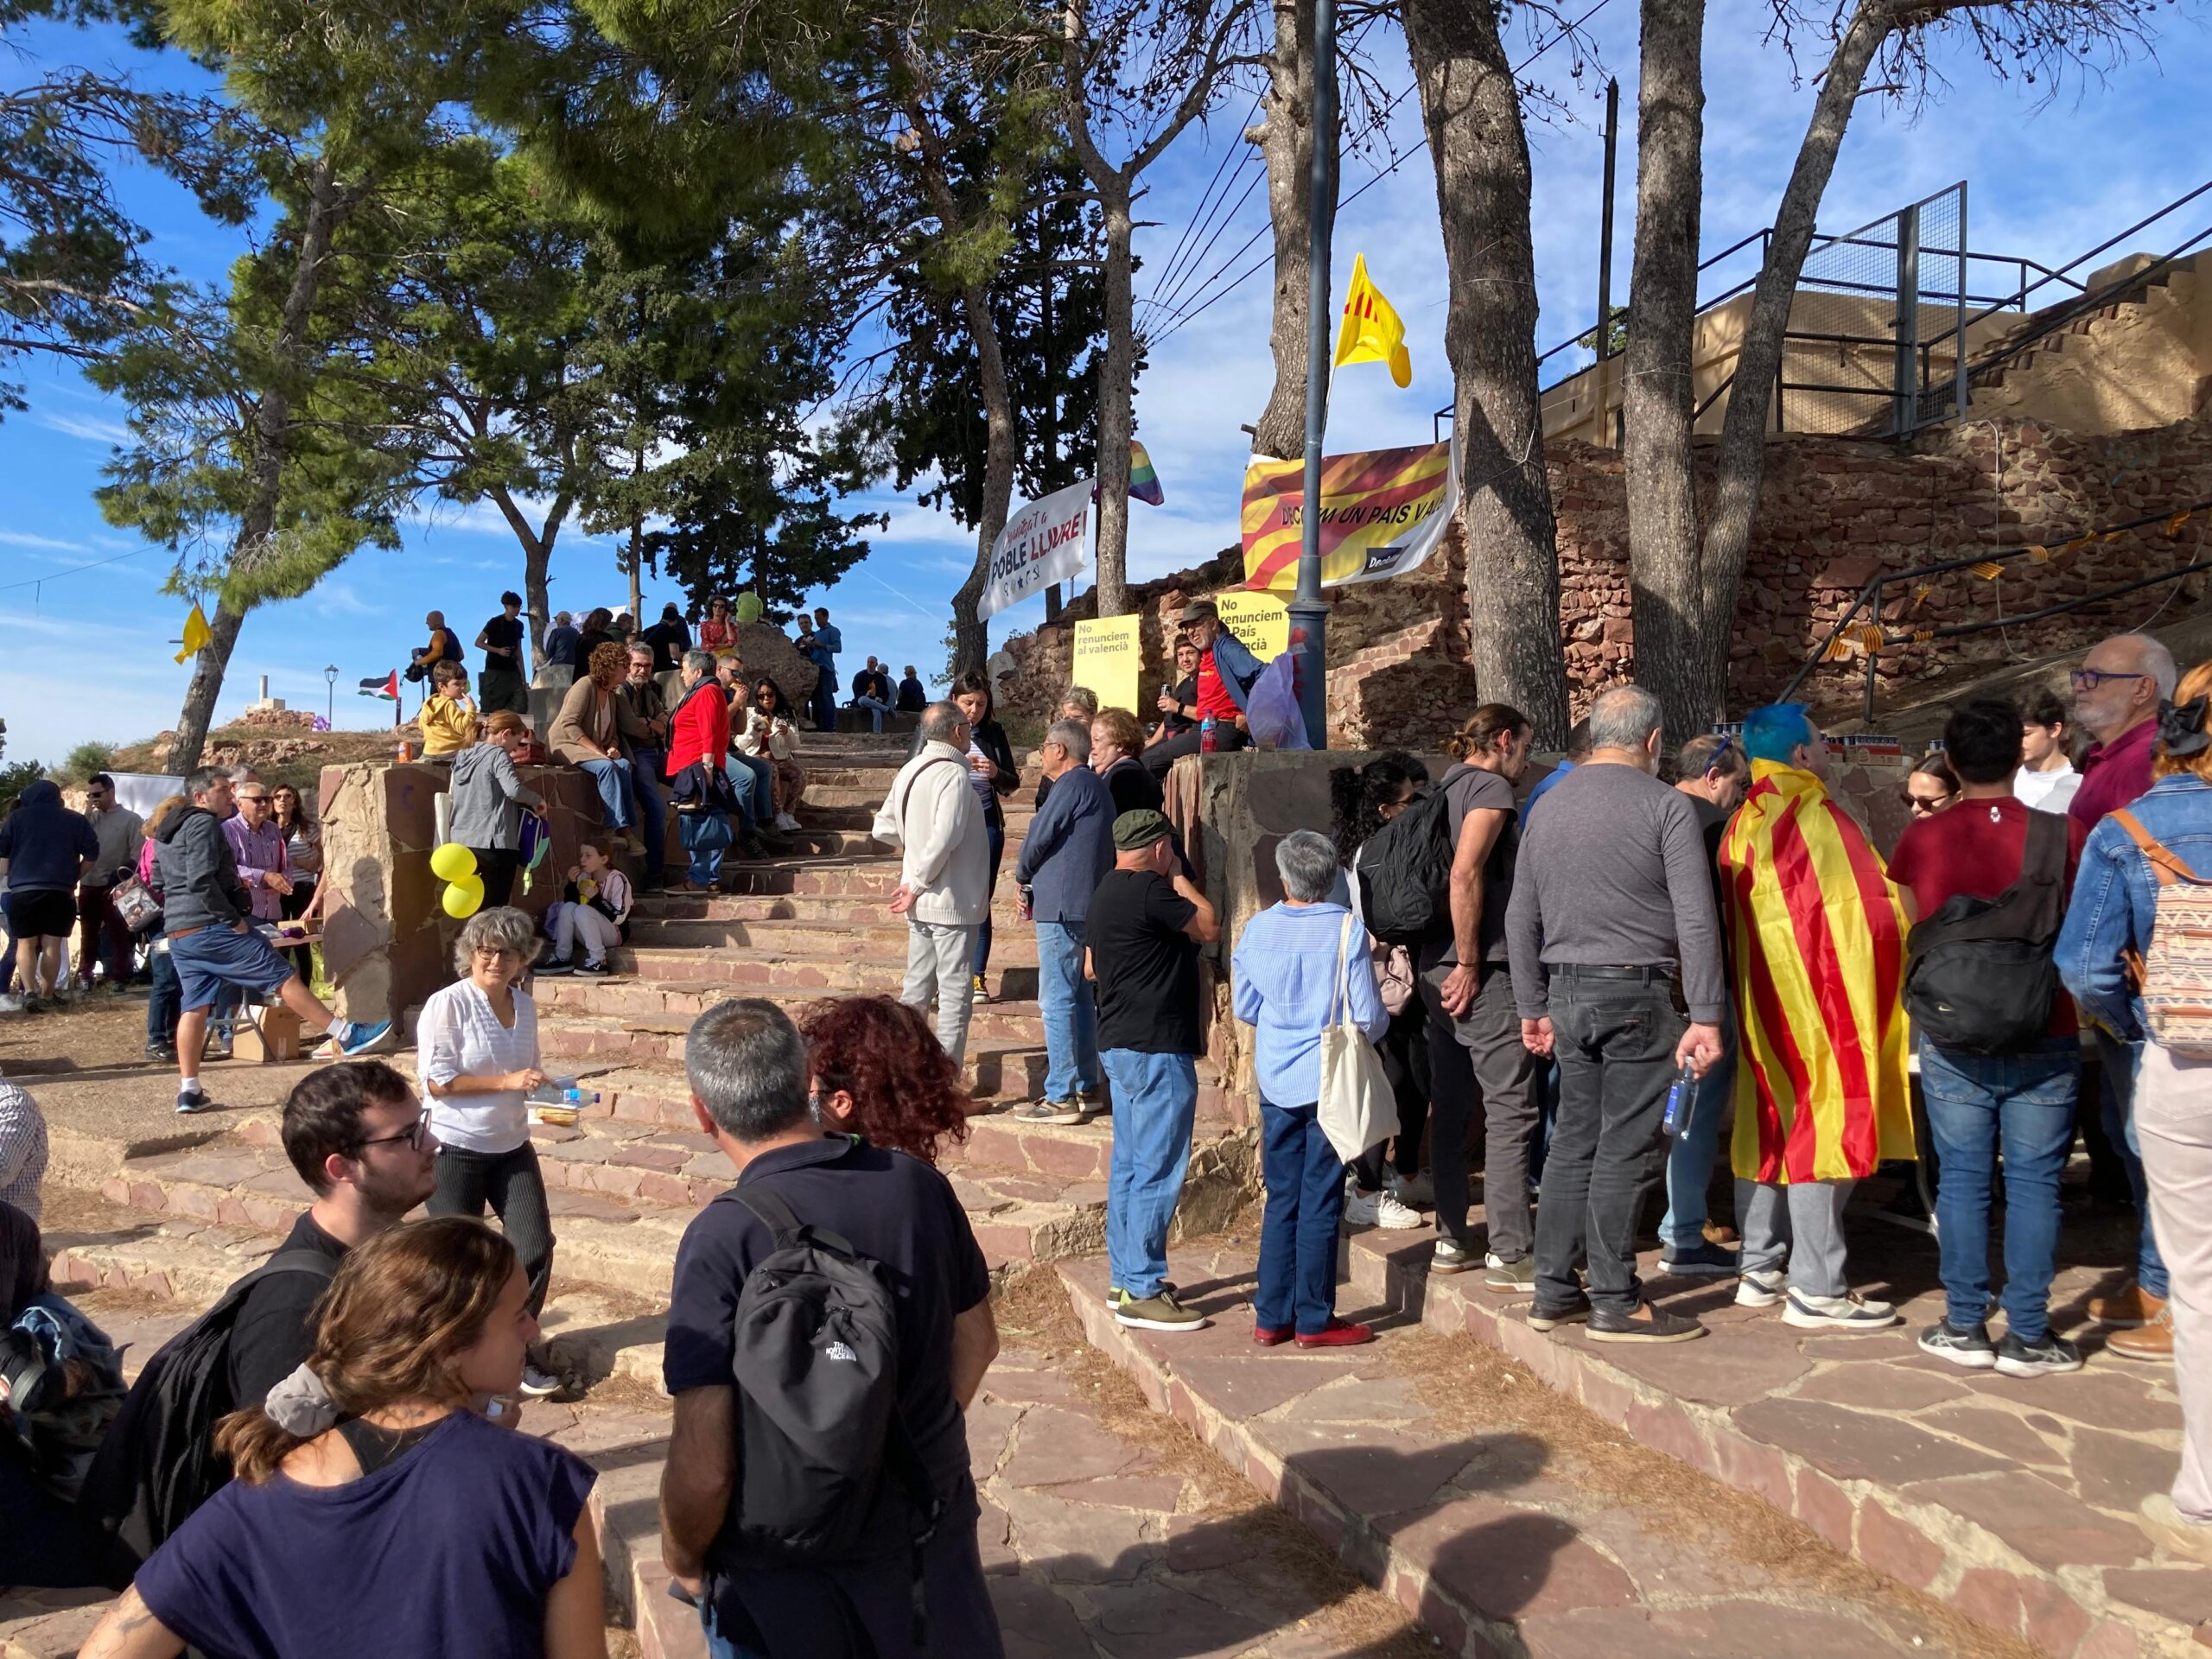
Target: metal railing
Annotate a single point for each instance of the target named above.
(1869, 599)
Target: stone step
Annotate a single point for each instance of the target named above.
(871, 793)
(1013, 969)
(884, 937)
(668, 1007)
(814, 910)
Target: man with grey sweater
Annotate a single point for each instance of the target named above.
(1068, 851)
(1616, 964)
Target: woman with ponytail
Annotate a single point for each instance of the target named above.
(380, 1503)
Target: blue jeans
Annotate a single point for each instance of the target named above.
(1690, 1159)
(995, 834)
(1070, 1015)
(825, 699)
(164, 1003)
(1155, 1099)
(1298, 1234)
(876, 711)
(651, 812)
(750, 790)
(613, 777)
(2116, 1063)
(1974, 1101)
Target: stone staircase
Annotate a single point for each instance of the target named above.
(181, 1213)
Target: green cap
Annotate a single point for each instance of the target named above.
(1136, 830)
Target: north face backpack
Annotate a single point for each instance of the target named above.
(824, 1455)
(2174, 975)
(1405, 870)
(158, 1463)
(1979, 977)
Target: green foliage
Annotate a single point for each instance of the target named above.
(15, 776)
(85, 759)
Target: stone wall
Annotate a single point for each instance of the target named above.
(387, 941)
(1832, 513)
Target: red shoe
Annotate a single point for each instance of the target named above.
(1271, 1336)
(1341, 1333)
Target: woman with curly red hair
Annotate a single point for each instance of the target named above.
(879, 1074)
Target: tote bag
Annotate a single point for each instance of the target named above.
(1357, 1109)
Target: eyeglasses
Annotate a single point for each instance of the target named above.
(257, 800)
(2088, 679)
(414, 1134)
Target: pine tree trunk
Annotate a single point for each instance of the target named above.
(1673, 658)
(271, 433)
(1116, 383)
(1743, 433)
(1472, 113)
(1287, 142)
(536, 557)
(971, 635)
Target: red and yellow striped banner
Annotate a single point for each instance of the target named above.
(1816, 938)
(1383, 512)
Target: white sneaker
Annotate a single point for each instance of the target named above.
(11, 1003)
(1416, 1191)
(1760, 1288)
(786, 822)
(1378, 1210)
(1851, 1313)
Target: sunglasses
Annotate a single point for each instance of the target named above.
(1927, 803)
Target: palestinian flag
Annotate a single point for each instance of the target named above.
(387, 687)
(1816, 942)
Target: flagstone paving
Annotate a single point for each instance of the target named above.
(2012, 1500)
(1508, 1521)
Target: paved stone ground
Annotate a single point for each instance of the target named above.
(1509, 1520)
(2012, 1500)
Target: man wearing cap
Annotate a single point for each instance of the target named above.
(1143, 929)
(1226, 672)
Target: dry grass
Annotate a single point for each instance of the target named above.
(1033, 1310)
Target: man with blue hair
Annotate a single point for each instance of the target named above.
(1816, 936)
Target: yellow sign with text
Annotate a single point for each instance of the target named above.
(1259, 621)
(1108, 653)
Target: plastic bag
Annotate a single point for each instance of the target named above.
(1272, 716)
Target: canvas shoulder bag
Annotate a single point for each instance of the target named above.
(1357, 1109)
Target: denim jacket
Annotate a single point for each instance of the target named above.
(2115, 898)
(1237, 667)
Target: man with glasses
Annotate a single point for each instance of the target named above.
(2117, 692)
(257, 845)
(362, 1142)
(1223, 681)
(647, 761)
(101, 931)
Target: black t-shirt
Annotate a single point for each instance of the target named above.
(274, 1327)
(502, 642)
(669, 640)
(1133, 787)
(1175, 722)
(889, 1206)
(1715, 822)
(1146, 966)
(1471, 789)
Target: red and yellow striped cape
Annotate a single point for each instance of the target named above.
(1816, 938)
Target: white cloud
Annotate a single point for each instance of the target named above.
(340, 599)
(110, 432)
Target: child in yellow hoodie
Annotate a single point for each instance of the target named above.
(448, 718)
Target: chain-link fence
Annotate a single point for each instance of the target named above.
(1873, 346)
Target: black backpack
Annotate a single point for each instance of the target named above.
(158, 1463)
(1979, 977)
(824, 1455)
(1405, 870)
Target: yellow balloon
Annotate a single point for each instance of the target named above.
(464, 897)
(452, 862)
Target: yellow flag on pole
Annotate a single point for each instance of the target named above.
(196, 633)
(1370, 331)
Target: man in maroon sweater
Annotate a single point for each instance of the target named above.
(2116, 693)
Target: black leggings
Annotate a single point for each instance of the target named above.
(495, 867)
(1404, 1048)
(515, 1187)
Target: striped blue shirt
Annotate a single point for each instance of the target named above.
(1284, 981)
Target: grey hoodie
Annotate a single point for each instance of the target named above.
(488, 800)
(198, 874)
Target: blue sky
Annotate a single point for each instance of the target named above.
(2048, 177)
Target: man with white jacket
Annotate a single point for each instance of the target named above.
(944, 879)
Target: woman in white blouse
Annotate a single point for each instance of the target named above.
(768, 734)
(476, 1054)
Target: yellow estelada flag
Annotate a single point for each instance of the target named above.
(196, 633)
(1370, 331)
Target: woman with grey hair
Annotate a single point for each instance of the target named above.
(476, 1053)
(1298, 963)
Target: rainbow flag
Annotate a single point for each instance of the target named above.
(1816, 940)
(1382, 513)
(1144, 483)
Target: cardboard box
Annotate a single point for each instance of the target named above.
(266, 1034)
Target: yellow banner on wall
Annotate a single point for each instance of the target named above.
(1382, 513)
(1108, 653)
(1259, 621)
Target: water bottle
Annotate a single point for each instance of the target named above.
(1205, 735)
(554, 1091)
(1680, 1098)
